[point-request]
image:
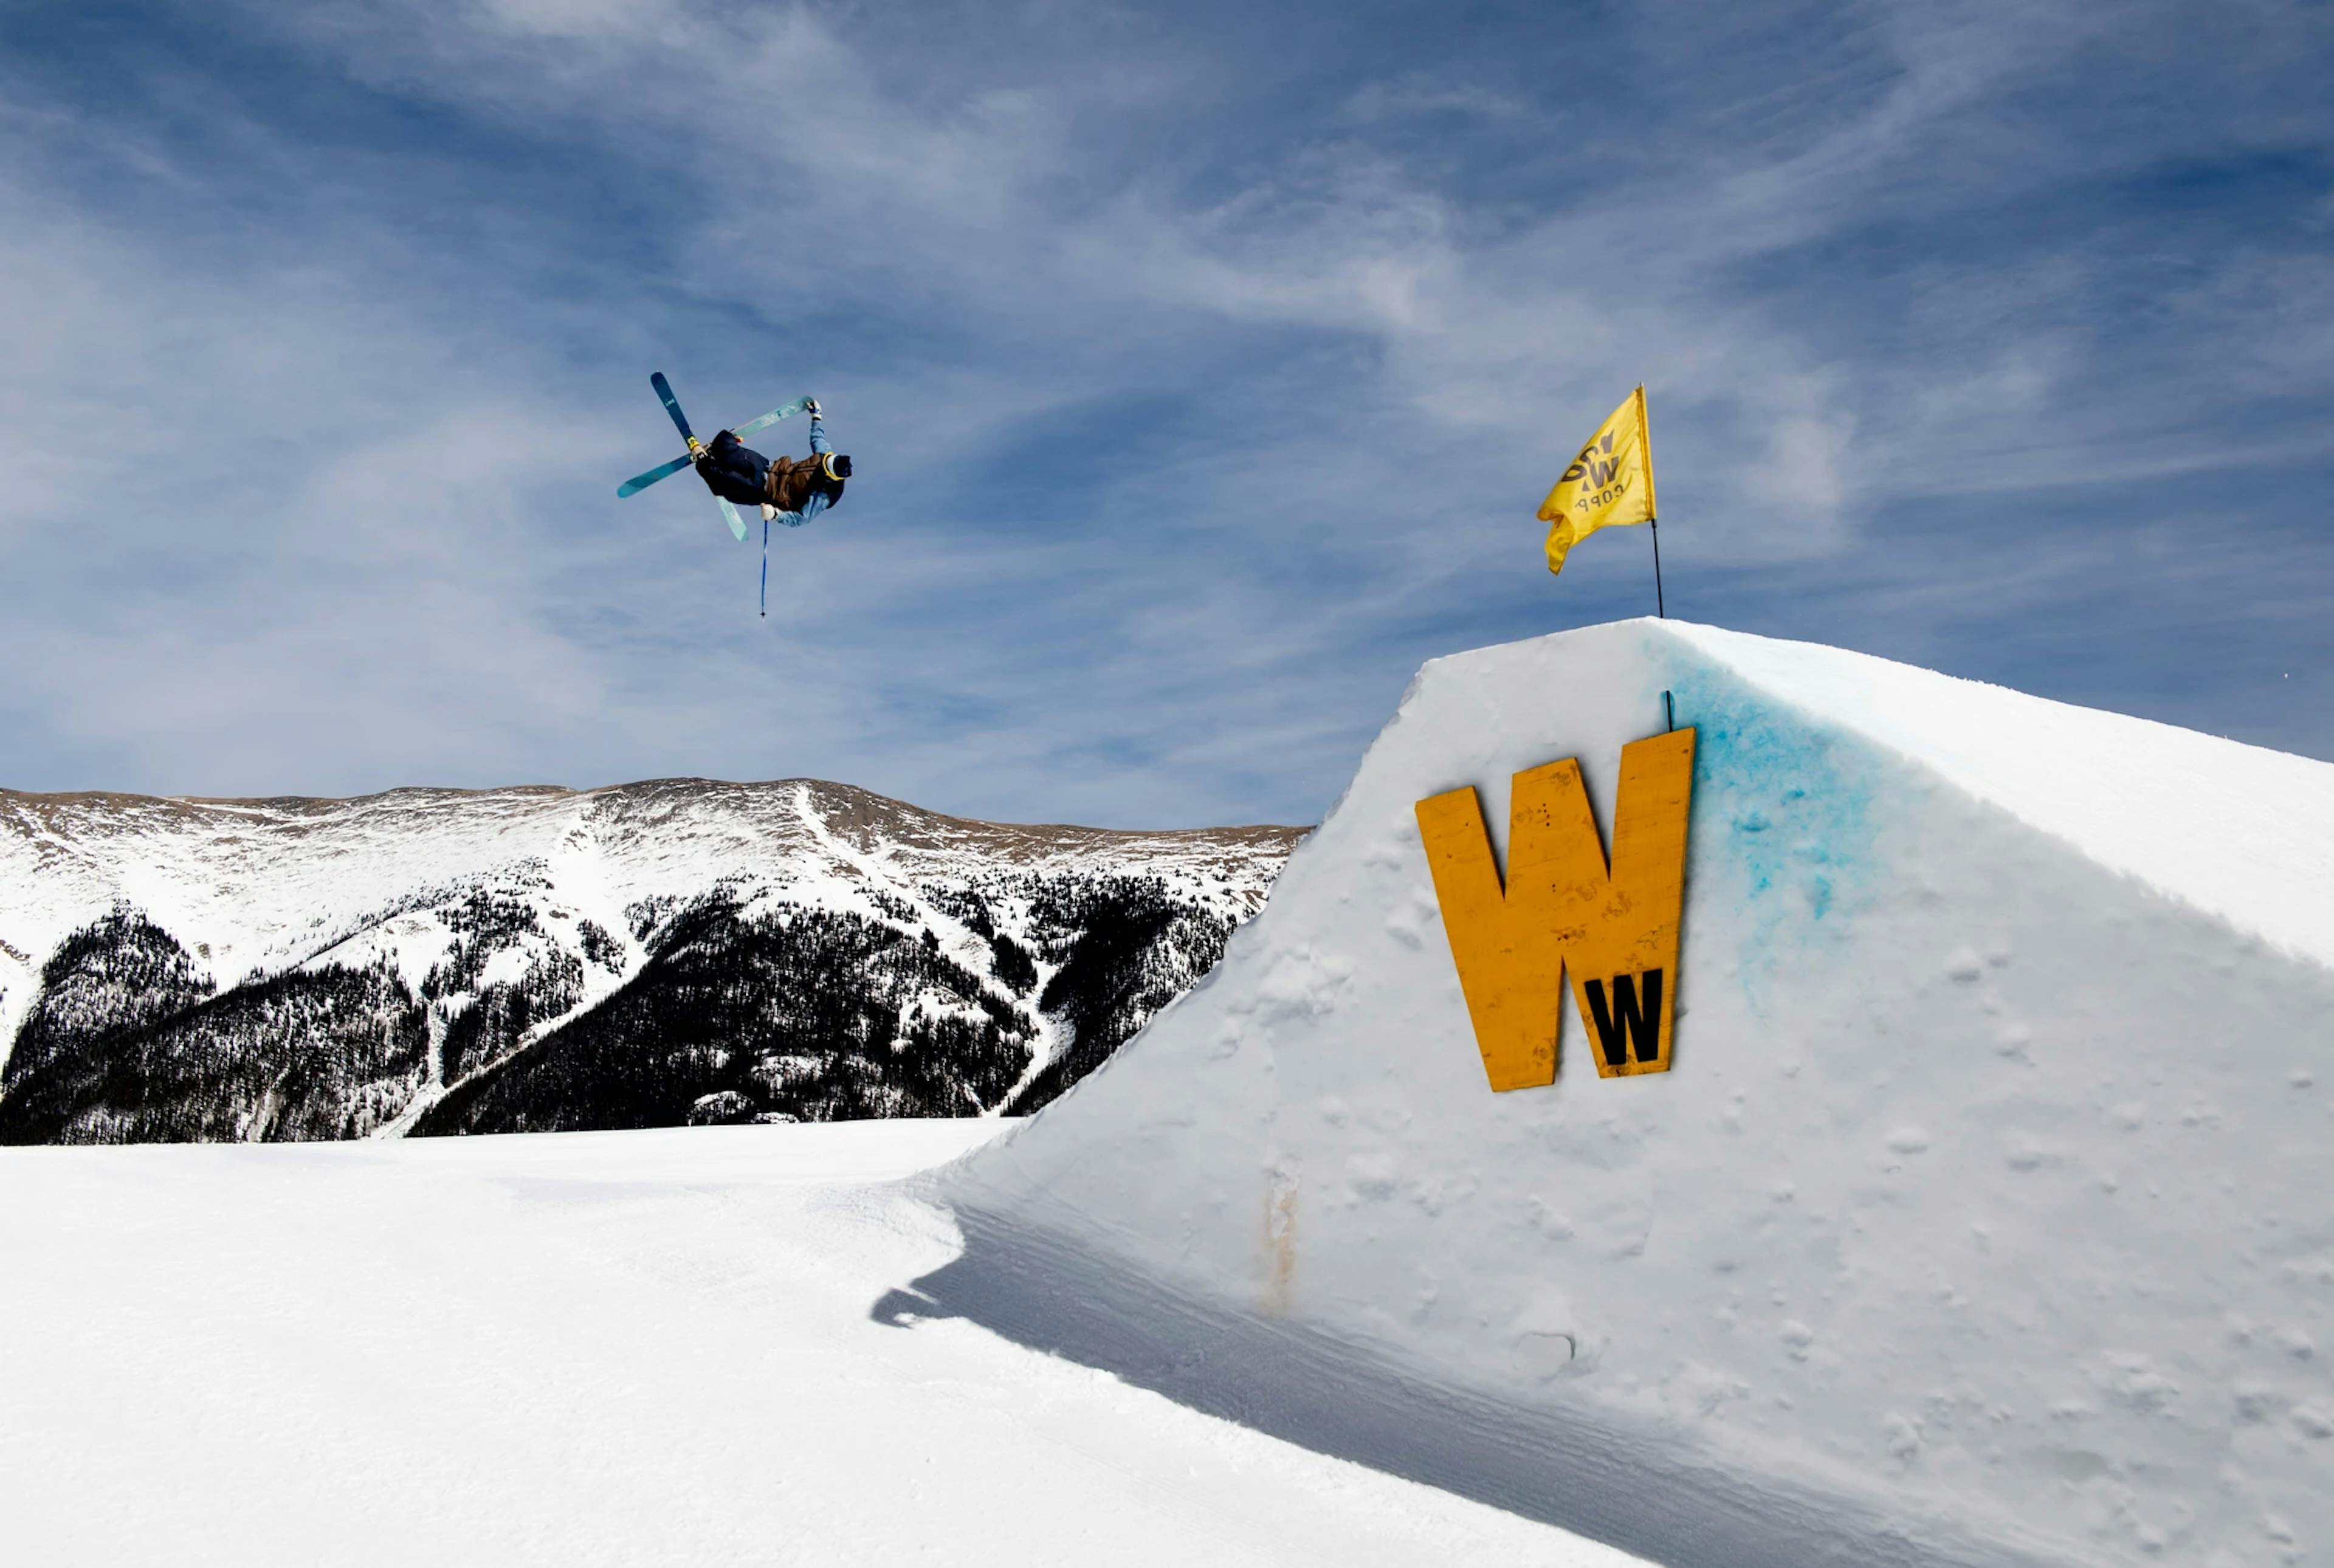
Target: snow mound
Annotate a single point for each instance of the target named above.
(1984, 1216)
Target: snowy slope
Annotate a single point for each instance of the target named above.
(634, 1348)
(1983, 1219)
(382, 951)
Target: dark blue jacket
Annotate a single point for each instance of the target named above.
(735, 471)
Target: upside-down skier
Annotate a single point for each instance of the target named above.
(787, 491)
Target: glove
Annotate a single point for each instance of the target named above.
(810, 406)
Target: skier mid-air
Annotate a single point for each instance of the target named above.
(787, 491)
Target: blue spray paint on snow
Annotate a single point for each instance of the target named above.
(1783, 821)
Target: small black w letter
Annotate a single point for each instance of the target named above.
(1635, 1014)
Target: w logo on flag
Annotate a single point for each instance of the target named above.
(1563, 910)
(1596, 463)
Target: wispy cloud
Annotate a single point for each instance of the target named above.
(1204, 371)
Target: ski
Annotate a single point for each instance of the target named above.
(640, 482)
(672, 406)
(783, 412)
(736, 524)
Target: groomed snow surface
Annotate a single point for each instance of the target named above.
(681, 1347)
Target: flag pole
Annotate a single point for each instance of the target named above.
(1659, 609)
(1653, 521)
(1669, 710)
(1645, 429)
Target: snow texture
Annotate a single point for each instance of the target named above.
(1983, 1219)
(630, 1348)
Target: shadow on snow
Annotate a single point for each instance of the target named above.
(1642, 1489)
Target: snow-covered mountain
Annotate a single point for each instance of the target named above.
(432, 960)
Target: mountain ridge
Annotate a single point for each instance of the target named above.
(441, 934)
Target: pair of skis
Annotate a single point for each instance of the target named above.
(640, 482)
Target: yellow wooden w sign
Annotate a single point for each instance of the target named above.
(1615, 930)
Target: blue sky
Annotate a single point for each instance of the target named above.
(1203, 365)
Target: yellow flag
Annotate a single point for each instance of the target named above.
(1611, 482)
